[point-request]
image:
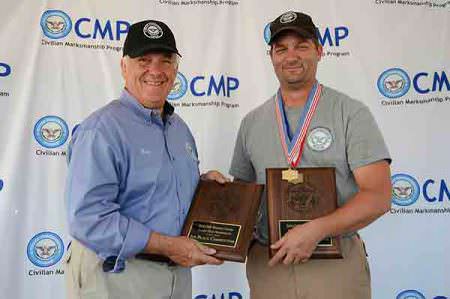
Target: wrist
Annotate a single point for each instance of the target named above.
(322, 228)
(158, 244)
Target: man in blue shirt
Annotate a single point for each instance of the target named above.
(133, 170)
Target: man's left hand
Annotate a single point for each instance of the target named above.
(297, 245)
(214, 175)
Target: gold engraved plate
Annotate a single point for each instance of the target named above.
(292, 176)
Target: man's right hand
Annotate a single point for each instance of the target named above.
(182, 250)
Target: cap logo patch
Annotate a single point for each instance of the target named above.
(288, 17)
(153, 30)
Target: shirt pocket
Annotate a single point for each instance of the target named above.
(143, 170)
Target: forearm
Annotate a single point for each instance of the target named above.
(364, 208)
(158, 244)
(109, 235)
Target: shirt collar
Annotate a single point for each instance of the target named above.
(148, 114)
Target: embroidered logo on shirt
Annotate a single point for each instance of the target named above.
(319, 139)
(191, 151)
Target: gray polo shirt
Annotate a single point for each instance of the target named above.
(342, 134)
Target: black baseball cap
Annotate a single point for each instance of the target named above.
(149, 35)
(294, 21)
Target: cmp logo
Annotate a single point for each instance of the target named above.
(45, 249)
(410, 294)
(394, 83)
(179, 88)
(51, 131)
(55, 24)
(405, 189)
(203, 86)
(5, 69)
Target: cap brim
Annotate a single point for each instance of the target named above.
(299, 31)
(150, 48)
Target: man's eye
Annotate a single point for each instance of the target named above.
(280, 51)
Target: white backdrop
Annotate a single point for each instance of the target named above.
(59, 61)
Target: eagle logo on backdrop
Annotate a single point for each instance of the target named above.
(394, 83)
(288, 17)
(410, 294)
(55, 24)
(320, 139)
(153, 30)
(267, 33)
(179, 87)
(51, 131)
(45, 249)
(405, 189)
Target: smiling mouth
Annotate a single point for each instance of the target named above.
(154, 83)
(293, 67)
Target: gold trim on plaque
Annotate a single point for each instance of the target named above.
(219, 223)
(302, 222)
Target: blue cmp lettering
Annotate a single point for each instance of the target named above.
(232, 84)
(78, 25)
(443, 191)
(215, 86)
(103, 31)
(416, 84)
(84, 29)
(439, 81)
(121, 28)
(326, 37)
(5, 70)
(193, 90)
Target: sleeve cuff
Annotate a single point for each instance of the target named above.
(136, 238)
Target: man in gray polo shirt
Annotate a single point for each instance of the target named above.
(309, 125)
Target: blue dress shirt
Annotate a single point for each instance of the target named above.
(130, 174)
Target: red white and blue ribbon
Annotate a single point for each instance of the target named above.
(293, 148)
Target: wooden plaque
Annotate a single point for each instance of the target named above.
(291, 204)
(223, 217)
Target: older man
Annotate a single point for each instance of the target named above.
(132, 175)
(341, 133)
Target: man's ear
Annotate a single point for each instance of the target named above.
(123, 66)
(319, 51)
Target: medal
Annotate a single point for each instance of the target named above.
(292, 176)
(293, 149)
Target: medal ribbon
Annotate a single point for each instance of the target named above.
(293, 149)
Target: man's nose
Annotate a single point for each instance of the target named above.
(155, 70)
